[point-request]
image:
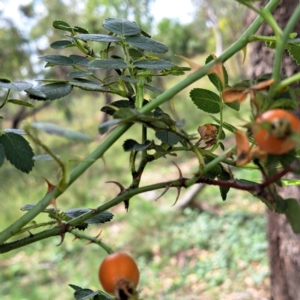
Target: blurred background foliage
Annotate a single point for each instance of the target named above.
(206, 247)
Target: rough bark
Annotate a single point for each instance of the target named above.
(284, 245)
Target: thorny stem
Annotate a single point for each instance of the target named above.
(129, 193)
(119, 131)
(93, 240)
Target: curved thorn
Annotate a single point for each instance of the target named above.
(167, 188)
(180, 173)
(178, 194)
(62, 236)
(122, 188)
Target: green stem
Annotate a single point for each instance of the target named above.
(5, 99)
(118, 132)
(286, 82)
(93, 240)
(280, 47)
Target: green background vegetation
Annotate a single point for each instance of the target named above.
(216, 249)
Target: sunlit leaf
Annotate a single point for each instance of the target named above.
(18, 85)
(153, 64)
(61, 44)
(121, 26)
(97, 38)
(107, 64)
(146, 43)
(57, 130)
(53, 91)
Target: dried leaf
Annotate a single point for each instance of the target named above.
(235, 94)
(242, 148)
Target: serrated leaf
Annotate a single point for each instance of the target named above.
(79, 60)
(98, 38)
(146, 43)
(53, 91)
(18, 151)
(294, 51)
(121, 26)
(114, 106)
(132, 145)
(57, 60)
(206, 100)
(84, 294)
(234, 105)
(153, 64)
(61, 44)
(104, 127)
(293, 214)
(36, 94)
(167, 137)
(79, 74)
(19, 102)
(2, 154)
(62, 25)
(107, 64)
(75, 287)
(17, 86)
(102, 217)
(135, 54)
(87, 85)
(57, 130)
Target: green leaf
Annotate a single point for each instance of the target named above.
(62, 25)
(87, 85)
(102, 217)
(132, 145)
(153, 64)
(114, 106)
(79, 60)
(80, 29)
(135, 54)
(167, 137)
(57, 60)
(19, 102)
(104, 127)
(234, 105)
(214, 78)
(34, 93)
(98, 38)
(2, 154)
(226, 125)
(153, 89)
(75, 287)
(107, 64)
(294, 51)
(146, 43)
(128, 79)
(53, 91)
(206, 100)
(225, 175)
(79, 74)
(293, 214)
(57, 130)
(84, 294)
(61, 44)
(17, 86)
(18, 151)
(121, 26)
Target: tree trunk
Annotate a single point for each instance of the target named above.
(284, 245)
